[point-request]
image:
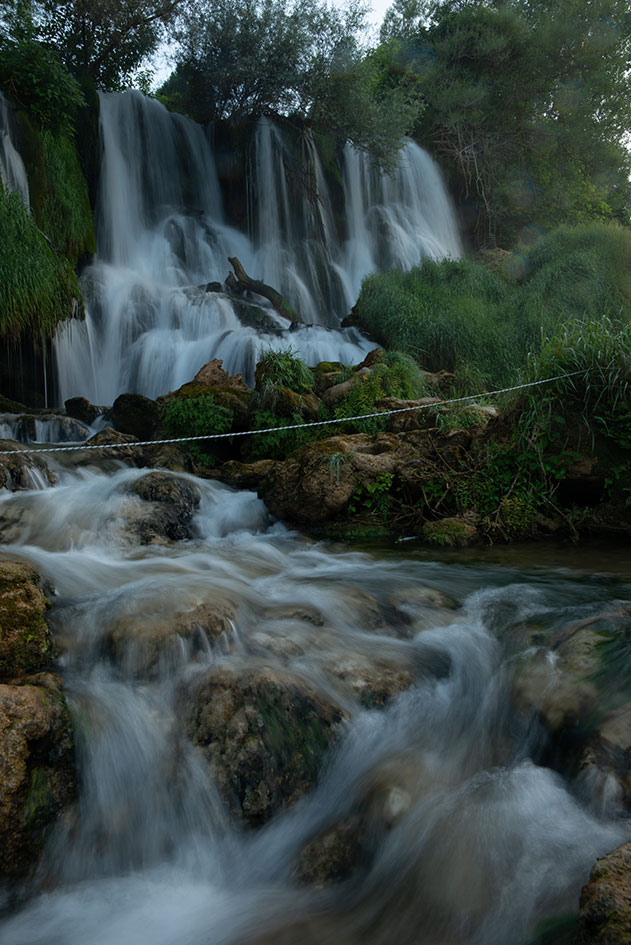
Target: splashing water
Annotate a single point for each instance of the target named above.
(465, 839)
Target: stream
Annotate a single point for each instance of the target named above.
(465, 836)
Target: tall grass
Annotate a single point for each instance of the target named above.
(462, 317)
(37, 288)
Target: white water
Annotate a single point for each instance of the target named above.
(161, 234)
(469, 842)
(12, 170)
(27, 428)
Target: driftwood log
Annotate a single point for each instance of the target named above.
(241, 282)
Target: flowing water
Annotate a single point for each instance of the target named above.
(12, 170)
(162, 238)
(467, 839)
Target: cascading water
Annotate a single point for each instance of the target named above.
(465, 841)
(161, 236)
(12, 170)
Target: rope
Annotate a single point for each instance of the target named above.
(294, 426)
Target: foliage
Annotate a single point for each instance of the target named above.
(195, 416)
(37, 287)
(527, 105)
(281, 443)
(482, 324)
(396, 375)
(374, 498)
(295, 58)
(34, 75)
(63, 210)
(276, 369)
(446, 315)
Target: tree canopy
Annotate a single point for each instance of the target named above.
(527, 104)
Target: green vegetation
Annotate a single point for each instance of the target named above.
(195, 416)
(394, 375)
(482, 324)
(37, 287)
(63, 209)
(278, 369)
(527, 106)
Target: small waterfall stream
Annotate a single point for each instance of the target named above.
(162, 237)
(466, 839)
(12, 170)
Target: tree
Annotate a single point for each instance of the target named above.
(527, 105)
(296, 58)
(103, 40)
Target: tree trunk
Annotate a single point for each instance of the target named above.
(243, 283)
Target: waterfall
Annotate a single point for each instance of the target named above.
(162, 238)
(12, 170)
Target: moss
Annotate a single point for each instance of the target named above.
(40, 801)
(449, 532)
(25, 640)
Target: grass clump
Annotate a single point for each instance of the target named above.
(64, 209)
(278, 369)
(38, 288)
(395, 375)
(281, 443)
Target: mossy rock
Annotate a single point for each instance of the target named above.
(26, 644)
(136, 415)
(238, 401)
(264, 736)
(450, 532)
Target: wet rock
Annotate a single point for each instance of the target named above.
(22, 472)
(422, 608)
(264, 736)
(373, 682)
(605, 764)
(173, 502)
(136, 415)
(168, 456)
(213, 375)
(605, 905)
(247, 475)
(26, 644)
(332, 856)
(37, 776)
(81, 409)
(125, 450)
(453, 532)
(147, 644)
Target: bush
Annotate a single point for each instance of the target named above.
(281, 443)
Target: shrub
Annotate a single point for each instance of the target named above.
(277, 369)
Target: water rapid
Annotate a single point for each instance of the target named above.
(464, 836)
(162, 239)
(12, 170)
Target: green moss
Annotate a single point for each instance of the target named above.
(40, 801)
(25, 641)
(448, 532)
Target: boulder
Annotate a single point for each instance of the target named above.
(37, 775)
(81, 409)
(453, 532)
(136, 415)
(263, 734)
(332, 856)
(171, 503)
(213, 375)
(605, 904)
(21, 472)
(26, 644)
(147, 643)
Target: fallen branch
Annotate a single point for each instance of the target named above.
(241, 282)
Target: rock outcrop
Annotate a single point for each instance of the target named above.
(605, 906)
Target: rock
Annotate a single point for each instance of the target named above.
(21, 472)
(605, 764)
(168, 456)
(264, 736)
(125, 451)
(338, 391)
(136, 415)
(454, 532)
(173, 501)
(316, 483)
(332, 856)
(418, 419)
(37, 776)
(81, 409)
(605, 904)
(26, 645)
(373, 682)
(147, 643)
(213, 375)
